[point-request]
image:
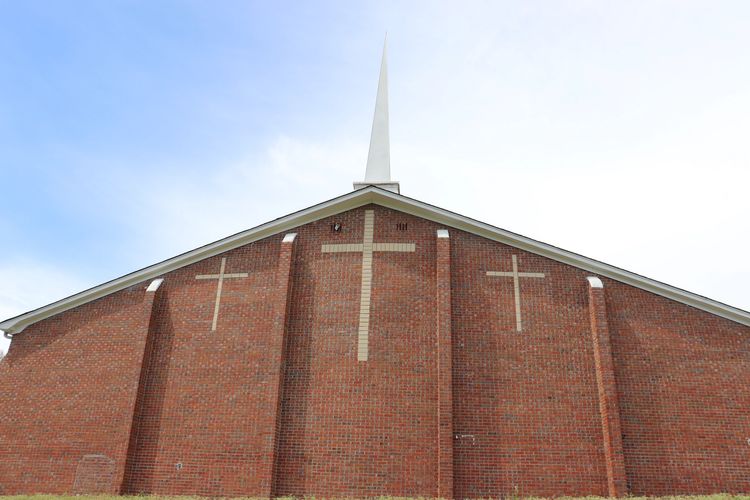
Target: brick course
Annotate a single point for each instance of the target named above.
(135, 393)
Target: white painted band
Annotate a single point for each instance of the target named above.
(154, 286)
(595, 282)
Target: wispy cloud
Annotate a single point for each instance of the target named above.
(614, 130)
(202, 206)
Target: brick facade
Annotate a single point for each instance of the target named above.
(602, 391)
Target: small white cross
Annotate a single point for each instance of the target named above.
(221, 277)
(367, 247)
(516, 286)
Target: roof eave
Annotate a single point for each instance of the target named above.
(349, 201)
(364, 196)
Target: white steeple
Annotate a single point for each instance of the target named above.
(378, 172)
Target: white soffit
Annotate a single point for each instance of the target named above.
(386, 199)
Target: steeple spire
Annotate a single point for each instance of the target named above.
(378, 171)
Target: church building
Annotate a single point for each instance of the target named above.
(377, 345)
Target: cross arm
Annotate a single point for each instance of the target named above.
(510, 274)
(341, 247)
(393, 247)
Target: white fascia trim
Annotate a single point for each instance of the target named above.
(442, 216)
(394, 201)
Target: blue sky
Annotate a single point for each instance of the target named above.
(131, 131)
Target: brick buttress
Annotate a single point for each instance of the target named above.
(445, 367)
(281, 314)
(605, 381)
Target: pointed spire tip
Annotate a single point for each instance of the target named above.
(378, 170)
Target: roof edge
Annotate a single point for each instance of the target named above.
(349, 201)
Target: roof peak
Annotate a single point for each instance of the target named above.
(378, 171)
(356, 199)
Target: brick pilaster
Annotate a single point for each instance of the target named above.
(444, 368)
(280, 300)
(142, 336)
(605, 380)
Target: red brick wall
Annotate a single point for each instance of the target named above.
(526, 412)
(205, 423)
(684, 389)
(525, 405)
(69, 388)
(351, 428)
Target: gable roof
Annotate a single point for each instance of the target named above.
(358, 198)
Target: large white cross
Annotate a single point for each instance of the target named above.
(367, 247)
(221, 277)
(516, 285)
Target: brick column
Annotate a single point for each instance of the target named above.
(444, 367)
(605, 381)
(280, 301)
(143, 339)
